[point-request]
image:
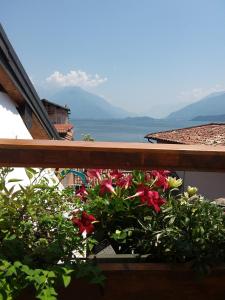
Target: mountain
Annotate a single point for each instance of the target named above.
(214, 118)
(85, 105)
(214, 104)
(138, 120)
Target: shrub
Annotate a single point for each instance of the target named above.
(39, 244)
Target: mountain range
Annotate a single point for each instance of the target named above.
(212, 105)
(86, 105)
(211, 118)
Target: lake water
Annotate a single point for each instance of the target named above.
(127, 130)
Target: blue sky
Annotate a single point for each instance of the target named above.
(147, 56)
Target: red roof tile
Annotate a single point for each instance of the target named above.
(63, 128)
(209, 134)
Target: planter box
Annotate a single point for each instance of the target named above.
(149, 281)
(144, 281)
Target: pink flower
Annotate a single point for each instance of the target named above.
(106, 187)
(94, 173)
(82, 192)
(116, 174)
(125, 182)
(85, 223)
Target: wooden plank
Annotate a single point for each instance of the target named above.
(9, 87)
(45, 153)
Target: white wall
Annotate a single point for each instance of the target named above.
(13, 127)
(209, 184)
(11, 123)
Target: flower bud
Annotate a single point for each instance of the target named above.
(192, 190)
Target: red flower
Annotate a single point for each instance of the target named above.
(161, 178)
(106, 187)
(85, 223)
(82, 192)
(149, 197)
(116, 174)
(125, 182)
(94, 173)
(148, 176)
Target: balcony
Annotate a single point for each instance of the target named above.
(127, 156)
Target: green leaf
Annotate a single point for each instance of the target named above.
(171, 221)
(66, 280)
(51, 274)
(30, 172)
(14, 180)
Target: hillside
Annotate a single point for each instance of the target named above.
(213, 104)
(85, 105)
(214, 118)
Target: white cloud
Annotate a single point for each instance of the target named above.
(198, 93)
(75, 78)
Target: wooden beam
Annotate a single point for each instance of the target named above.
(9, 87)
(45, 153)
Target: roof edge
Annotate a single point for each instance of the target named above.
(182, 128)
(18, 75)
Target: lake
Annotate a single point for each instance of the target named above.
(125, 130)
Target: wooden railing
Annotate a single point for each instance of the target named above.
(128, 156)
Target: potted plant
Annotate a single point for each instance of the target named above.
(40, 248)
(175, 238)
(45, 233)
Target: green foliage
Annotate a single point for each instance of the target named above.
(87, 137)
(38, 242)
(43, 229)
(15, 277)
(33, 228)
(189, 231)
(187, 227)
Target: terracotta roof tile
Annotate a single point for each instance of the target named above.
(63, 128)
(208, 134)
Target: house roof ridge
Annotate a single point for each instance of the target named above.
(56, 104)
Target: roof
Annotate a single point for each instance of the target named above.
(63, 128)
(55, 104)
(65, 131)
(208, 134)
(20, 85)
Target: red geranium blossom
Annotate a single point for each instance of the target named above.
(85, 223)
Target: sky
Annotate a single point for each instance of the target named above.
(149, 57)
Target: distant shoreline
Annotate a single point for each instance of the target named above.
(125, 130)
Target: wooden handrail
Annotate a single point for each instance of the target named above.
(45, 153)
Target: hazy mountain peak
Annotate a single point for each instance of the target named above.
(213, 104)
(86, 105)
